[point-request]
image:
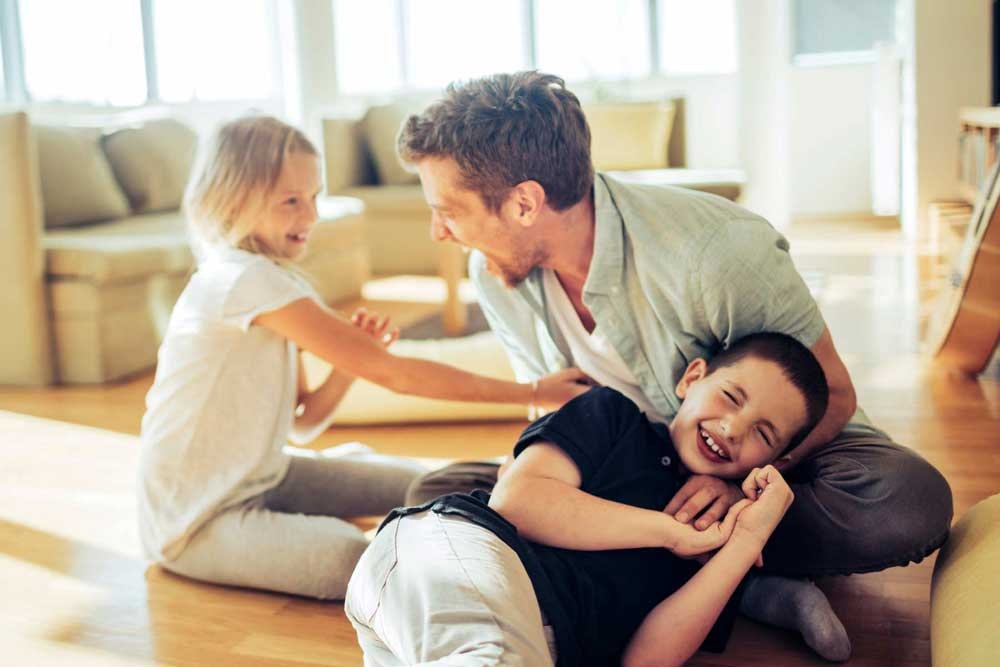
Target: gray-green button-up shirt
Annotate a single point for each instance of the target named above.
(676, 275)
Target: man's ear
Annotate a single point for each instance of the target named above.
(695, 371)
(528, 197)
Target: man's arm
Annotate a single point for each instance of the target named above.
(541, 495)
(843, 400)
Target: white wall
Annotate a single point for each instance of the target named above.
(830, 139)
(948, 68)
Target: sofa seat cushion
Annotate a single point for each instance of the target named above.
(78, 185)
(965, 591)
(125, 249)
(391, 199)
(152, 163)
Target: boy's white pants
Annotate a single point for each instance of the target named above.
(435, 589)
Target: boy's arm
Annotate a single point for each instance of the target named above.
(673, 631)
(541, 495)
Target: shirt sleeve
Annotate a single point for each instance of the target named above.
(587, 428)
(262, 286)
(748, 284)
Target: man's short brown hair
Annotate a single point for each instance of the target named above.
(505, 129)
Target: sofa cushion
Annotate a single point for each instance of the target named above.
(630, 135)
(386, 199)
(124, 249)
(152, 163)
(965, 591)
(78, 185)
(381, 125)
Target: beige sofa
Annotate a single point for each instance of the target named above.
(642, 141)
(97, 250)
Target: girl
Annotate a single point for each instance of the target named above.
(219, 498)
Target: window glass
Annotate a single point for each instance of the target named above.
(592, 39)
(697, 37)
(366, 35)
(837, 26)
(218, 50)
(83, 51)
(459, 39)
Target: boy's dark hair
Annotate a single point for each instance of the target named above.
(503, 130)
(799, 366)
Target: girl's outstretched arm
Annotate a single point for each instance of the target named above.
(352, 351)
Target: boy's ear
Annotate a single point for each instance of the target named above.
(695, 371)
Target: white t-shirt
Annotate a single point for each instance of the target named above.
(592, 353)
(222, 404)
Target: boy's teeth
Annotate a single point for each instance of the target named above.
(711, 444)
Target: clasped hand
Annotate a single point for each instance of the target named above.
(759, 505)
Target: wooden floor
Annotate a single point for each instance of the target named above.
(76, 592)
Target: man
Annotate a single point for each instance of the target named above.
(631, 283)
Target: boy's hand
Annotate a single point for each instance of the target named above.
(771, 497)
(700, 492)
(375, 326)
(688, 542)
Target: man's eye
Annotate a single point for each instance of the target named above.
(292, 201)
(732, 399)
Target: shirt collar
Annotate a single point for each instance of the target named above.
(607, 262)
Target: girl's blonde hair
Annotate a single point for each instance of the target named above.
(233, 176)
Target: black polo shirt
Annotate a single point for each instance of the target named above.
(594, 600)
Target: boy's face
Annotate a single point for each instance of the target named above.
(736, 419)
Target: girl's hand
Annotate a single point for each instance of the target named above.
(375, 326)
(687, 541)
(561, 386)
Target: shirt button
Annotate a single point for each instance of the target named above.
(665, 460)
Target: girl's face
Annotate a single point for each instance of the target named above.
(290, 209)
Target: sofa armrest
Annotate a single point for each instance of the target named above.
(347, 160)
(25, 337)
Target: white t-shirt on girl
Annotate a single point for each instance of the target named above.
(222, 404)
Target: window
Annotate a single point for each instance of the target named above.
(387, 44)
(367, 38)
(83, 51)
(203, 53)
(697, 37)
(383, 45)
(842, 26)
(592, 39)
(459, 39)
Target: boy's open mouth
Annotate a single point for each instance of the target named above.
(710, 448)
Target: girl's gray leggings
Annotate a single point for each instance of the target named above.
(293, 538)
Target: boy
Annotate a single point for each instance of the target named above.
(573, 560)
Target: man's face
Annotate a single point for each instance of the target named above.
(738, 418)
(290, 209)
(460, 216)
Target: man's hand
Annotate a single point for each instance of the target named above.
(687, 542)
(706, 495)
